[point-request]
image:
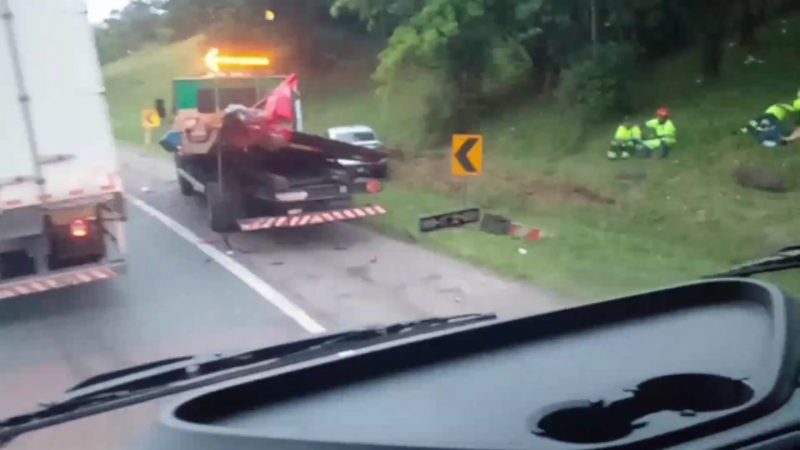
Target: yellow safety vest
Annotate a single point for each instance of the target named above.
(628, 134)
(780, 111)
(666, 130)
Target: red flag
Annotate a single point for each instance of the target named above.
(279, 107)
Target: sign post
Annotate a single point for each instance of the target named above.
(467, 158)
(150, 121)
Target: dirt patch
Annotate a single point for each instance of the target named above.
(548, 192)
(428, 171)
(760, 178)
(434, 172)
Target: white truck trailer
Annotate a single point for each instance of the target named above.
(62, 214)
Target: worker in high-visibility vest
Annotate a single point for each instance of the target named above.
(795, 136)
(772, 128)
(627, 140)
(773, 117)
(660, 133)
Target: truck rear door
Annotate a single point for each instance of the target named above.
(18, 168)
(68, 109)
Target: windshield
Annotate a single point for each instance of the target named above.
(361, 136)
(207, 98)
(388, 161)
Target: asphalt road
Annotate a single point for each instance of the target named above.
(177, 300)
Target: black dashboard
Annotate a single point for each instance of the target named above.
(712, 364)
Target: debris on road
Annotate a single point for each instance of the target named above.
(502, 226)
(520, 231)
(496, 224)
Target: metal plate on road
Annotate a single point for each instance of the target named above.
(467, 159)
(449, 220)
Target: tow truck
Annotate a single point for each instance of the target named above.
(238, 139)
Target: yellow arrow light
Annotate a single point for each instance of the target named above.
(214, 60)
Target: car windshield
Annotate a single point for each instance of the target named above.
(210, 177)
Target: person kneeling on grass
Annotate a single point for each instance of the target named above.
(772, 128)
(661, 133)
(627, 140)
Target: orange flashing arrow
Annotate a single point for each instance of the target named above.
(214, 60)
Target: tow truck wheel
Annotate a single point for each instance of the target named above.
(186, 188)
(225, 207)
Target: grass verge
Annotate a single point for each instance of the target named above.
(615, 227)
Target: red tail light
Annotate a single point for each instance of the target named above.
(374, 186)
(79, 228)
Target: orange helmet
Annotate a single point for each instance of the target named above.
(663, 113)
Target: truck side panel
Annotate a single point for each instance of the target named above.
(67, 99)
(18, 168)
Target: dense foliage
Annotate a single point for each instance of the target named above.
(584, 51)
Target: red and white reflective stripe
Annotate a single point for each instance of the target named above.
(57, 281)
(301, 220)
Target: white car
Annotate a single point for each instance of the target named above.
(363, 136)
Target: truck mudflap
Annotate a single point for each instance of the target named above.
(310, 218)
(60, 279)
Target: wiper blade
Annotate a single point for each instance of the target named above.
(785, 259)
(146, 382)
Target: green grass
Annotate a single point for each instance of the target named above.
(566, 259)
(134, 83)
(669, 220)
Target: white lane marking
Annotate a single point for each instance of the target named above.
(269, 293)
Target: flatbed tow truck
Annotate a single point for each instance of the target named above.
(248, 154)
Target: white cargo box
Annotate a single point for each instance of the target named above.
(55, 131)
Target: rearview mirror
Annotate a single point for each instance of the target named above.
(160, 108)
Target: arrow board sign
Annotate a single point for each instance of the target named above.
(467, 159)
(449, 220)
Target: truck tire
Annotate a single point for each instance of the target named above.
(186, 188)
(225, 207)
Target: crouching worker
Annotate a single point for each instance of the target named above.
(771, 128)
(661, 134)
(627, 140)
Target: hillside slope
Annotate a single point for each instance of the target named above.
(615, 227)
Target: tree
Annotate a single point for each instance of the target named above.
(453, 37)
(711, 21)
(379, 16)
(127, 30)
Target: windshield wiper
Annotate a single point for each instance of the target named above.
(157, 379)
(785, 259)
